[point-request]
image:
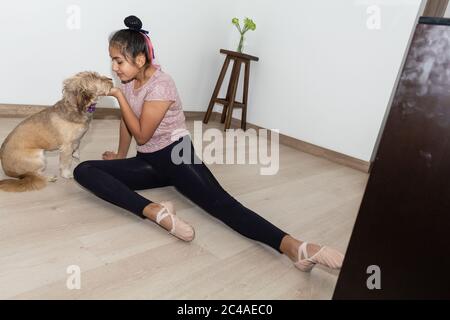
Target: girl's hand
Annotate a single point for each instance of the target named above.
(114, 92)
(109, 155)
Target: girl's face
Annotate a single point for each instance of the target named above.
(125, 70)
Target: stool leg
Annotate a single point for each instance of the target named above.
(234, 80)
(229, 90)
(216, 90)
(245, 96)
(224, 113)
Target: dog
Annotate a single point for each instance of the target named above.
(59, 127)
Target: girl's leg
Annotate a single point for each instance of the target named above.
(196, 182)
(116, 180)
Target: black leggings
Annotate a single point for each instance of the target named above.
(116, 180)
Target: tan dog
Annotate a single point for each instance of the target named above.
(60, 127)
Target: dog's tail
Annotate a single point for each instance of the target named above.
(27, 182)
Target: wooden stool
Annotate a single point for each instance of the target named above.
(229, 102)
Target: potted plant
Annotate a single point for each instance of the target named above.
(248, 25)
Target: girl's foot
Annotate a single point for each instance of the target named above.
(306, 255)
(164, 215)
(308, 258)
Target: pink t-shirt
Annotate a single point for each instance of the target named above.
(159, 87)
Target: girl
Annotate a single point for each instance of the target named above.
(152, 114)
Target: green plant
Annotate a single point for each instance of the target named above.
(248, 25)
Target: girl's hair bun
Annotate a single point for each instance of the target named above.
(133, 23)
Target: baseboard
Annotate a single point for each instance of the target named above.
(19, 111)
(297, 144)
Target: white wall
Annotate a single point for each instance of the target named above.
(38, 50)
(323, 76)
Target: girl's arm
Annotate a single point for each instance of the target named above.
(152, 114)
(124, 140)
(124, 144)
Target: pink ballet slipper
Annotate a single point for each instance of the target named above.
(180, 229)
(326, 256)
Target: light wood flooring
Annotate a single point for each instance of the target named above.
(123, 257)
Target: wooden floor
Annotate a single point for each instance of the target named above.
(124, 257)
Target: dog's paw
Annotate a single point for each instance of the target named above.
(52, 178)
(67, 174)
(76, 154)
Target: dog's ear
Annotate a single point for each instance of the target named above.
(83, 98)
(75, 93)
(71, 84)
(69, 91)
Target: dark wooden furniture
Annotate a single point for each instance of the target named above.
(229, 102)
(403, 224)
(435, 8)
